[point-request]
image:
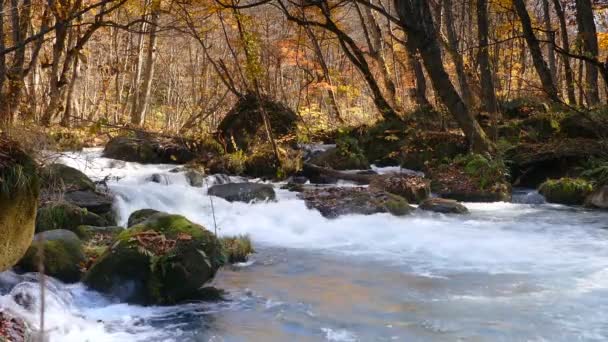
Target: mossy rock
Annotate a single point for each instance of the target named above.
(570, 191)
(243, 127)
(262, 163)
(335, 202)
(65, 178)
(163, 260)
(444, 206)
(236, 248)
(62, 255)
(140, 216)
(243, 192)
(381, 143)
(63, 215)
(414, 189)
(335, 159)
(19, 188)
(131, 149)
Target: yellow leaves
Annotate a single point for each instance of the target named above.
(500, 6)
(602, 39)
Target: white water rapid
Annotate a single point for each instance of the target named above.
(525, 271)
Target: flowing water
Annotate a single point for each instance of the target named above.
(522, 271)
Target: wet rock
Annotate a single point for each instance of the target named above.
(598, 198)
(243, 127)
(91, 200)
(195, 178)
(570, 191)
(444, 206)
(62, 255)
(12, 329)
(65, 178)
(140, 216)
(19, 188)
(335, 202)
(63, 215)
(413, 188)
(149, 149)
(243, 192)
(163, 260)
(158, 178)
(339, 160)
(237, 248)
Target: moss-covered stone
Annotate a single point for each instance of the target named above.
(19, 188)
(163, 260)
(571, 191)
(340, 160)
(335, 202)
(243, 192)
(65, 178)
(63, 215)
(243, 127)
(62, 255)
(140, 216)
(236, 248)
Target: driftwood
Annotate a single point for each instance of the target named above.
(315, 170)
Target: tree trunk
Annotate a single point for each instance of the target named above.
(415, 18)
(487, 79)
(550, 38)
(587, 34)
(463, 83)
(537, 56)
(568, 74)
(330, 90)
(138, 115)
(416, 91)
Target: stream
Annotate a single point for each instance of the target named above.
(521, 271)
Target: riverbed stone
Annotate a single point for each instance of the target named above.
(414, 189)
(140, 216)
(93, 201)
(444, 206)
(19, 189)
(243, 192)
(64, 215)
(598, 198)
(335, 202)
(163, 260)
(60, 177)
(569, 191)
(62, 255)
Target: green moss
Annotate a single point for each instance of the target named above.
(63, 215)
(397, 205)
(571, 191)
(19, 188)
(236, 248)
(59, 176)
(61, 259)
(487, 172)
(139, 216)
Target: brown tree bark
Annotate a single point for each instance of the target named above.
(415, 18)
(486, 70)
(463, 83)
(587, 34)
(535, 51)
(568, 73)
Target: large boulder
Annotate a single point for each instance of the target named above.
(162, 261)
(19, 188)
(60, 177)
(140, 216)
(598, 198)
(413, 188)
(93, 201)
(570, 191)
(243, 192)
(243, 127)
(149, 149)
(62, 255)
(444, 206)
(340, 160)
(335, 202)
(63, 215)
(533, 163)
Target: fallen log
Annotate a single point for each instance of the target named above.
(315, 172)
